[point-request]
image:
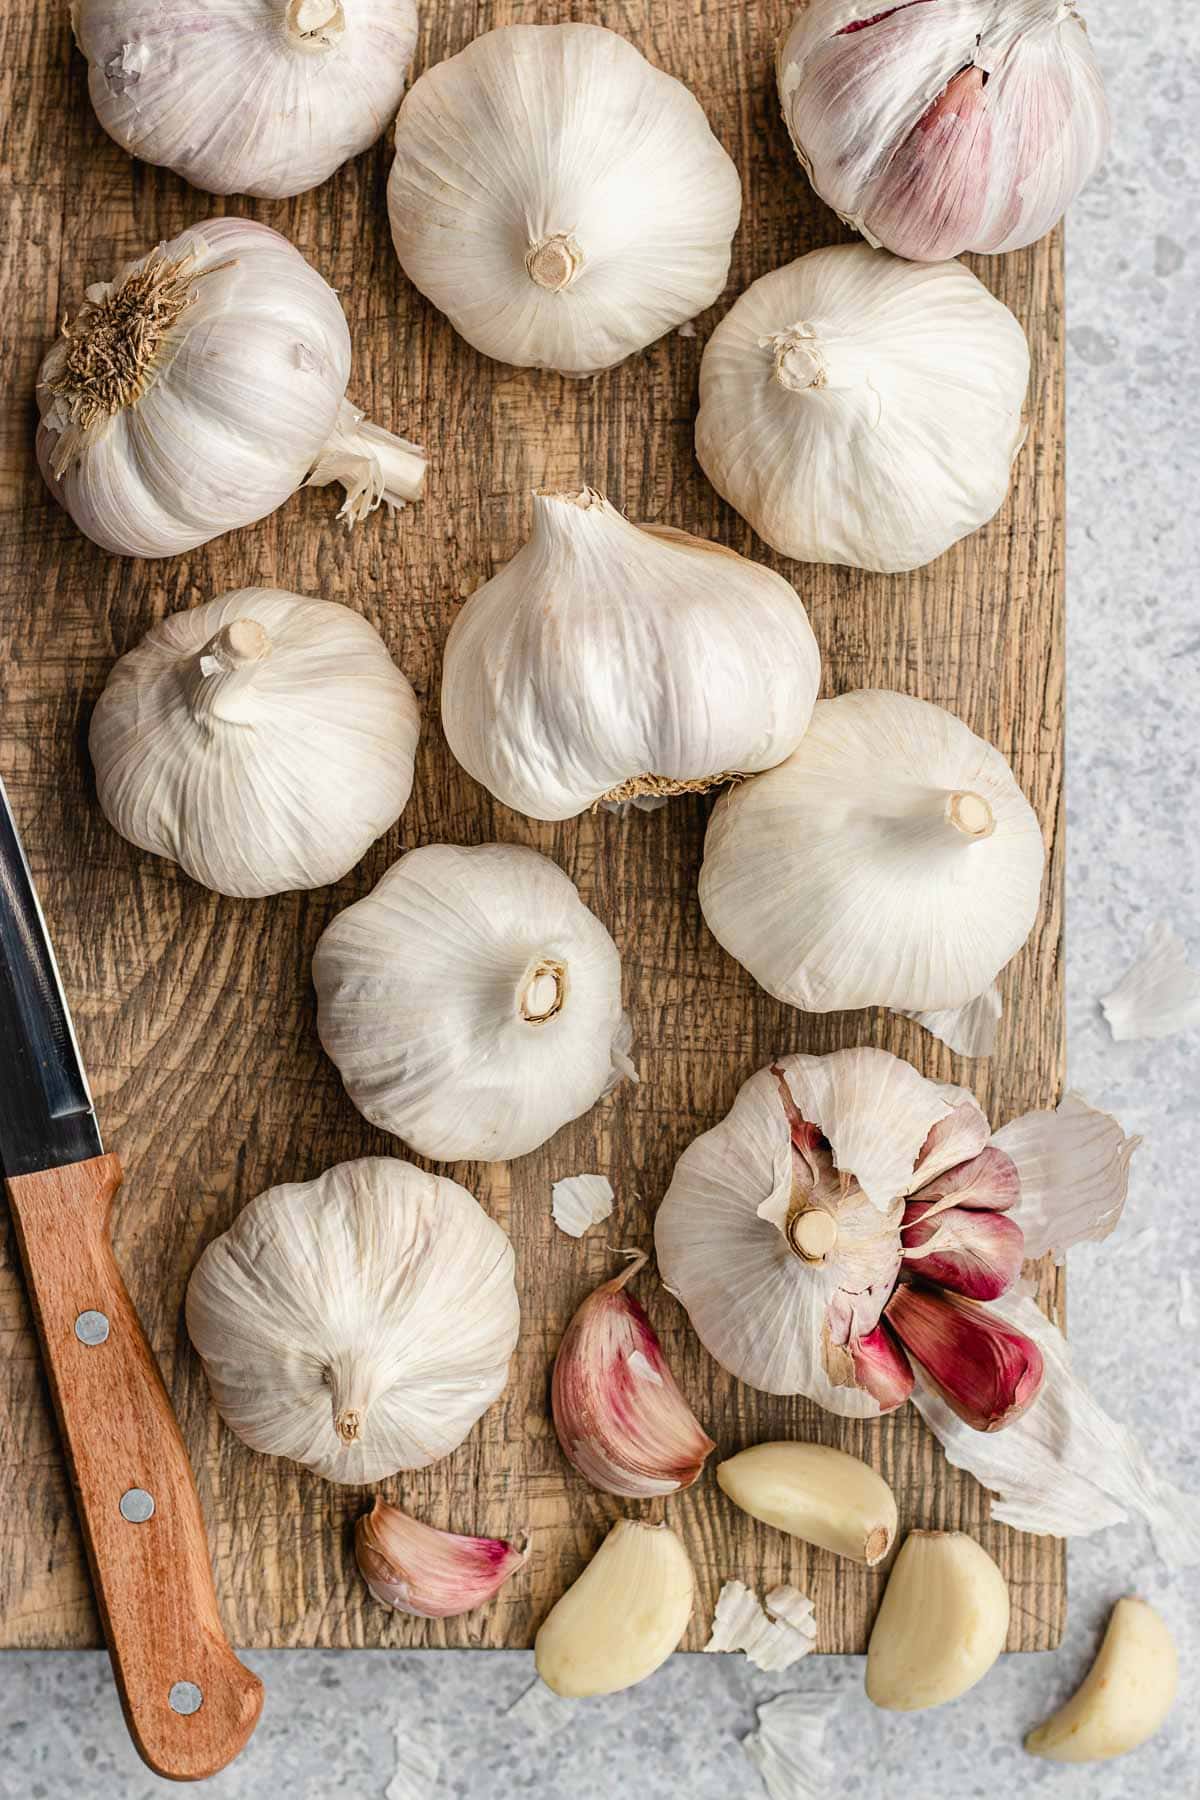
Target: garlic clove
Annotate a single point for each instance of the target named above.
(987, 1182)
(941, 1625)
(816, 1493)
(623, 1616)
(620, 1418)
(978, 1254)
(881, 1367)
(1125, 1696)
(957, 1138)
(986, 1371)
(427, 1573)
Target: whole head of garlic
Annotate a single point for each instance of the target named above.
(560, 199)
(608, 661)
(261, 741)
(246, 96)
(359, 1323)
(200, 388)
(859, 409)
(472, 1002)
(938, 126)
(891, 861)
(844, 1222)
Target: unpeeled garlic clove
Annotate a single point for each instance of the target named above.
(430, 1574)
(986, 1371)
(978, 1254)
(816, 1493)
(622, 1618)
(619, 1415)
(986, 1182)
(941, 1625)
(881, 1367)
(1125, 1696)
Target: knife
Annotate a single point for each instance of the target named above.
(190, 1705)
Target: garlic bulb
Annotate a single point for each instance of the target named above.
(891, 861)
(261, 741)
(948, 125)
(246, 96)
(786, 1234)
(560, 199)
(471, 1002)
(427, 1573)
(200, 388)
(359, 1323)
(858, 409)
(609, 661)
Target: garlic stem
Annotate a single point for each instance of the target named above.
(372, 465)
(554, 262)
(350, 1386)
(971, 815)
(217, 678)
(799, 358)
(812, 1234)
(544, 992)
(236, 644)
(314, 24)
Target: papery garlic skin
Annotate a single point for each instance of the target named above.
(246, 96)
(1124, 1698)
(608, 660)
(359, 1323)
(892, 860)
(858, 409)
(200, 388)
(559, 198)
(623, 1616)
(815, 1493)
(941, 1624)
(941, 126)
(262, 741)
(471, 1002)
(429, 1574)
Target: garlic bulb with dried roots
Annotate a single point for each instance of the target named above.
(559, 198)
(858, 409)
(472, 1002)
(609, 661)
(891, 861)
(200, 388)
(800, 1234)
(246, 96)
(262, 741)
(429, 1574)
(938, 126)
(359, 1323)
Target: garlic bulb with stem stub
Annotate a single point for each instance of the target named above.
(609, 661)
(262, 741)
(938, 126)
(246, 96)
(359, 1323)
(471, 1002)
(429, 1574)
(862, 410)
(200, 388)
(892, 860)
(559, 198)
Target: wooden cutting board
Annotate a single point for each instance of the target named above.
(196, 1013)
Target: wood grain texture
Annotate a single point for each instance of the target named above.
(196, 1014)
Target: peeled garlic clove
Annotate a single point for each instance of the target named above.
(881, 1367)
(620, 1418)
(623, 1616)
(941, 1625)
(986, 1371)
(429, 1574)
(1125, 1697)
(978, 1254)
(815, 1493)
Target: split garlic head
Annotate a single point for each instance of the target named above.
(200, 388)
(609, 661)
(891, 861)
(858, 409)
(845, 1224)
(360, 1323)
(559, 198)
(246, 96)
(471, 1002)
(262, 741)
(938, 126)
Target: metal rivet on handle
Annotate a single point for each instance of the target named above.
(91, 1328)
(137, 1506)
(185, 1697)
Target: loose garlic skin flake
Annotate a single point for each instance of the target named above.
(559, 198)
(815, 1493)
(861, 410)
(623, 1616)
(609, 661)
(941, 1625)
(1125, 1696)
(246, 96)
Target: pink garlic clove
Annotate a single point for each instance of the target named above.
(619, 1415)
(975, 1253)
(427, 1573)
(933, 195)
(984, 1369)
(988, 1181)
(881, 1367)
(958, 1138)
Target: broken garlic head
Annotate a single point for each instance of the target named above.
(816, 1493)
(942, 1623)
(1125, 1696)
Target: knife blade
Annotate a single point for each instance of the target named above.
(190, 1705)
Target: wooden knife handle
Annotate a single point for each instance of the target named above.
(189, 1703)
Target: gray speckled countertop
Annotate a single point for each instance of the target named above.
(338, 1723)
